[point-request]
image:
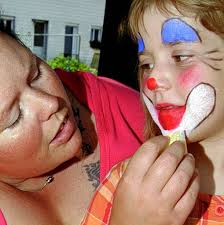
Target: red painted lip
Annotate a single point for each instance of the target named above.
(170, 115)
(165, 106)
(64, 132)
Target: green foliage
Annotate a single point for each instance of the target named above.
(69, 64)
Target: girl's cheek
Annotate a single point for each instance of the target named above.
(144, 80)
(190, 77)
(145, 88)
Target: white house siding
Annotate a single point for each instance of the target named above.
(58, 13)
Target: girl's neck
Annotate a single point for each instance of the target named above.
(209, 156)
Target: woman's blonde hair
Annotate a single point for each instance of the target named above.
(210, 13)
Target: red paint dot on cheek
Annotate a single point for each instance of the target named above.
(190, 78)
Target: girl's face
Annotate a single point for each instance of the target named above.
(182, 67)
(37, 128)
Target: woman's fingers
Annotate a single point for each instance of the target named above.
(165, 166)
(143, 159)
(156, 187)
(187, 202)
(179, 182)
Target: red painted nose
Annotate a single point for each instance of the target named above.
(151, 83)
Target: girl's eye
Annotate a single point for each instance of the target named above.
(181, 58)
(147, 67)
(20, 116)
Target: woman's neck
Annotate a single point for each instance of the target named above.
(33, 184)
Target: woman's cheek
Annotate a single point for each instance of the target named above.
(190, 77)
(21, 144)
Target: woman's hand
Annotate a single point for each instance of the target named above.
(159, 187)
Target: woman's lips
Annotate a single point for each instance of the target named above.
(170, 115)
(64, 133)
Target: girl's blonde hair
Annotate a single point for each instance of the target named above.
(210, 13)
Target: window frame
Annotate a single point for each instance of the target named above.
(9, 18)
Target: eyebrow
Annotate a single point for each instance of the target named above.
(178, 43)
(34, 62)
(33, 65)
(144, 53)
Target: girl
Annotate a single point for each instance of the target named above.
(181, 61)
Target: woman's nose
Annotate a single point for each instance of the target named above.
(44, 104)
(48, 107)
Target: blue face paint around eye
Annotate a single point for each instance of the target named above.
(175, 30)
(141, 45)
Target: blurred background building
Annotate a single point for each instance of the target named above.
(88, 30)
(53, 27)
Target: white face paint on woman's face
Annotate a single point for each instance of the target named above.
(33, 108)
(186, 62)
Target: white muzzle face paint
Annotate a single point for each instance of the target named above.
(199, 105)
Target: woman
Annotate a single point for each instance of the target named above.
(53, 142)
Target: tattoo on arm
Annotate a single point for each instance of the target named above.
(93, 172)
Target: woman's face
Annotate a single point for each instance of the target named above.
(37, 128)
(182, 75)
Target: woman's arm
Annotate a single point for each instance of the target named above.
(156, 188)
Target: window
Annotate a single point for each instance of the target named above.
(71, 45)
(40, 33)
(95, 37)
(96, 33)
(8, 22)
(40, 38)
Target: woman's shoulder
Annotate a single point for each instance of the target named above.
(92, 91)
(81, 79)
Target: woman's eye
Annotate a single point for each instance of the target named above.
(14, 124)
(38, 75)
